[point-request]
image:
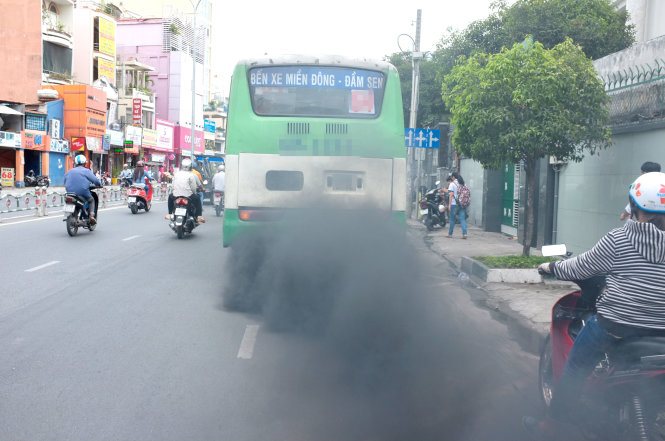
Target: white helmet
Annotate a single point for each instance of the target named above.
(186, 164)
(220, 168)
(648, 192)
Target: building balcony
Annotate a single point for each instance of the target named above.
(57, 36)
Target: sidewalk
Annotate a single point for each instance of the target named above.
(526, 308)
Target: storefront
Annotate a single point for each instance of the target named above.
(116, 151)
(35, 145)
(9, 143)
(163, 151)
(59, 149)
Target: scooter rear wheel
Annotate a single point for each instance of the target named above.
(218, 210)
(180, 231)
(134, 209)
(72, 227)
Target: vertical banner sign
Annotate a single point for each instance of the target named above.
(137, 111)
(106, 37)
(7, 177)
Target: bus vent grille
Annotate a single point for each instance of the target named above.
(337, 129)
(297, 128)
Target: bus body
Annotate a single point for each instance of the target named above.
(307, 130)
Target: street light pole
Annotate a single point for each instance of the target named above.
(194, 77)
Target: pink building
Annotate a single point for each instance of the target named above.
(157, 43)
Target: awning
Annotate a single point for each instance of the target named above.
(8, 110)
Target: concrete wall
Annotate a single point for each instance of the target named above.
(594, 192)
(21, 66)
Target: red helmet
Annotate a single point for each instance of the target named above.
(139, 164)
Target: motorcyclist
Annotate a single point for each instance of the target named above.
(141, 176)
(78, 180)
(125, 174)
(219, 180)
(632, 304)
(185, 185)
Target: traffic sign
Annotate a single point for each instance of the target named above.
(423, 138)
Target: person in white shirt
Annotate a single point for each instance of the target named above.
(185, 185)
(219, 180)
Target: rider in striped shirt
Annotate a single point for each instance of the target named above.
(633, 302)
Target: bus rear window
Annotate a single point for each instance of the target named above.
(310, 91)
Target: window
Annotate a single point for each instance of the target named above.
(57, 58)
(35, 121)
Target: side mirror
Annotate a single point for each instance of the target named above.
(554, 250)
(205, 182)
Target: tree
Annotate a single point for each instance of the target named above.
(526, 103)
(595, 25)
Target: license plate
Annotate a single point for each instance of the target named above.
(131, 199)
(218, 199)
(180, 211)
(423, 211)
(69, 208)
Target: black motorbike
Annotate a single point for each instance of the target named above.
(77, 214)
(433, 208)
(36, 181)
(183, 219)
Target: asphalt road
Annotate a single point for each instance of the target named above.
(120, 334)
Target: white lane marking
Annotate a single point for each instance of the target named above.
(53, 262)
(246, 350)
(131, 237)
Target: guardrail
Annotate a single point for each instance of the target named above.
(40, 199)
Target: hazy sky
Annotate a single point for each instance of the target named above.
(356, 28)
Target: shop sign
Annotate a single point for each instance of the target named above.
(106, 142)
(7, 177)
(78, 144)
(164, 135)
(149, 138)
(209, 125)
(95, 123)
(118, 150)
(131, 148)
(59, 145)
(116, 137)
(158, 157)
(106, 68)
(95, 100)
(106, 37)
(10, 139)
(137, 111)
(34, 140)
(93, 144)
(133, 134)
(183, 135)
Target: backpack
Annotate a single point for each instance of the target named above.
(463, 196)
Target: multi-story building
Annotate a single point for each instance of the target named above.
(646, 16)
(158, 42)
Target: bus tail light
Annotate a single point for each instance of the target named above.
(259, 215)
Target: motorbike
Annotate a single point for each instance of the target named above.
(624, 397)
(218, 201)
(105, 178)
(138, 199)
(76, 212)
(36, 181)
(125, 182)
(433, 208)
(183, 219)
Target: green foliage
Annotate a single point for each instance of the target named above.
(595, 25)
(513, 261)
(526, 103)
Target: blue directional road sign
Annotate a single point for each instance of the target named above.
(424, 138)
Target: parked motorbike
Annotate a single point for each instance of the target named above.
(624, 397)
(218, 200)
(106, 178)
(183, 219)
(36, 181)
(433, 208)
(138, 199)
(76, 212)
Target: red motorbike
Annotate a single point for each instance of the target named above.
(624, 397)
(138, 198)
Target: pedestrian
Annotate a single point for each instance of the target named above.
(455, 209)
(647, 167)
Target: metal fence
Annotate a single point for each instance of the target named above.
(39, 199)
(637, 96)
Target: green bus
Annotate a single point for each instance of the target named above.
(302, 129)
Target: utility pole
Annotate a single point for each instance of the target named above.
(414, 153)
(193, 132)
